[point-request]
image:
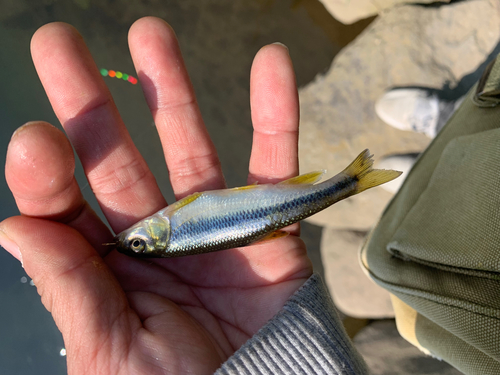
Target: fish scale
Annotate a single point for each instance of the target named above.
(220, 232)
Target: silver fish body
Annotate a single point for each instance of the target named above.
(224, 219)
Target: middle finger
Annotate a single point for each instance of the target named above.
(191, 157)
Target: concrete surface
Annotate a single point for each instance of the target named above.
(352, 291)
(387, 353)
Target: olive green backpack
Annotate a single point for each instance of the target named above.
(437, 246)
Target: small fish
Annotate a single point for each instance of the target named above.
(224, 219)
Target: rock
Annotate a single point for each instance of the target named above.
(350, 11)
(432, 47)
(353, 292)
(386, 352)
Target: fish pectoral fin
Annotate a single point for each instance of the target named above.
(273, 236)
(304, 179)
(185, 201)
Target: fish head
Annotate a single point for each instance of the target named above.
(147, 238)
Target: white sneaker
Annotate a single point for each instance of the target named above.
(403, 163)
(410, 109)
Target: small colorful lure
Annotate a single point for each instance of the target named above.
(119, 75)
(223, 219)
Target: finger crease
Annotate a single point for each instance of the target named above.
(120, 179)
(88, 111)
(195, 165)
(169, 107)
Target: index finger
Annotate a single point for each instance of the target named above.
(122, 182)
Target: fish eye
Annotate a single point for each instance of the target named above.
(137, 245)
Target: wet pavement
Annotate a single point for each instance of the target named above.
(218, 40)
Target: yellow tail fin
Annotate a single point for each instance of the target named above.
(361, 169)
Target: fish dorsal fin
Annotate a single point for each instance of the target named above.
(304, 179)
(248, 187)
(184, 201)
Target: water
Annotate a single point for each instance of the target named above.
(219, 40)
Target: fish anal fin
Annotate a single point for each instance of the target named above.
(304, 179)
(185, 201)
(273, 236)
(367, 177)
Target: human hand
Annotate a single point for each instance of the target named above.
(121, 315)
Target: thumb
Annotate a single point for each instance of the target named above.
(86, 301)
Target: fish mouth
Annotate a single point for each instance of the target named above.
(126, 251)
(118, 243)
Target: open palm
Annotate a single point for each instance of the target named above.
(125, 315)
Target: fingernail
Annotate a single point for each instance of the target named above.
(21, 128)
(9, 245)
(24, 127)
(281, 44)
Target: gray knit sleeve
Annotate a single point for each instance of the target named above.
(305, 337)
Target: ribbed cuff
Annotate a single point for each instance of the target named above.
(305, 337)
